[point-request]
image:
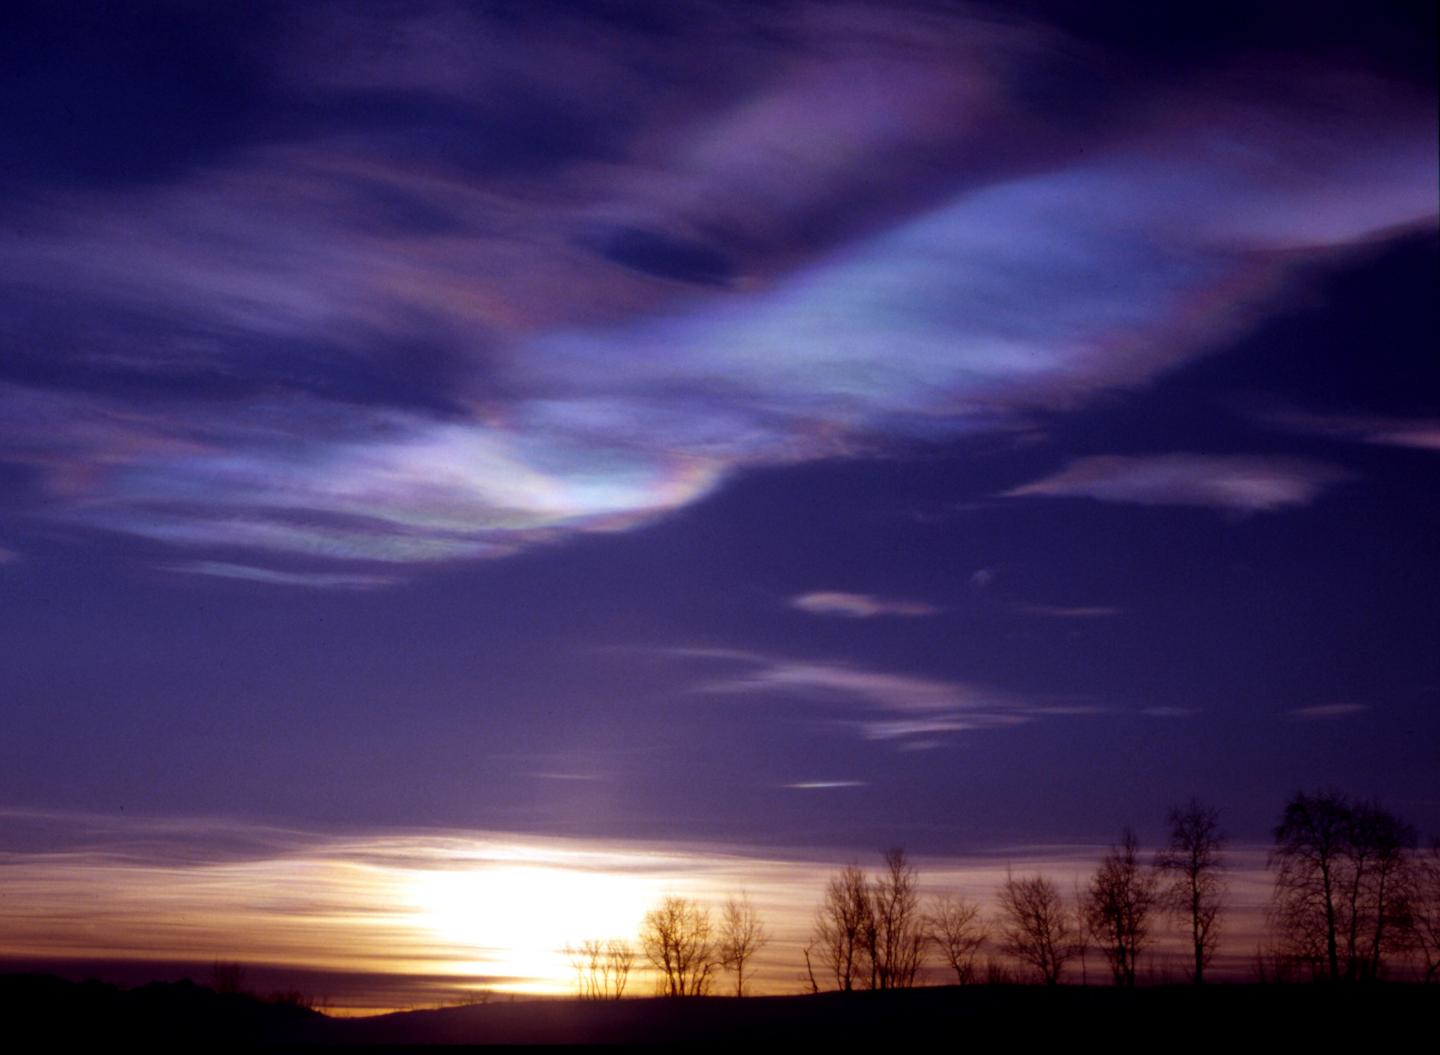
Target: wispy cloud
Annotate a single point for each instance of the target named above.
(859, 605)
(1170, 712)
(842, 683)
(819, 785)
(312, 580)
(583, 778)
(1247, 484)
(1058, 611)
(893, 707)
(1328, 710)
(1416, 433)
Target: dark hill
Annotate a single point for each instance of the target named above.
(184, 1014)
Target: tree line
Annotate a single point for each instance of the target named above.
(1353, 895)
(681, 941)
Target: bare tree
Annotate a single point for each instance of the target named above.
(678, 939)
(1423, 902)
(1339, 892)
(620, 960)
(586, 959)
(1381, 847)
(1194, 888)
(844, 930)
(1037, 929)
(602, 968)
(898, 936)
(742, 936)
(958, 931)
(1308, 859)
(1119, 905)
(1081, 944)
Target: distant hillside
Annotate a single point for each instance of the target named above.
(183, 1013)
(161, 1013)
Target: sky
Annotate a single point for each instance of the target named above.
(795, 428)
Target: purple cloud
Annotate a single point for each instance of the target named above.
(816, 785)
(901, 707)
(858, 605)
(1247, 484)
(312, 580)
(1416, 433)
(1328, 710)
(1056, 611)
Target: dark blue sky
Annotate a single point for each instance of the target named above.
(624, 419)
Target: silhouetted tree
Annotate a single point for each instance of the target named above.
(602, 968)
(1194, 888)
(1381, 849)
(958, 931)
(1308, 859)
(742, 936)
(1118, 907)
(1339, 891)
(1423, 916)
(897, 937)
(844, 930)
(1036, 928)
(1081, 944)
(678, 939)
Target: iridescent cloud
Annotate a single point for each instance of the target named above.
(457, 309)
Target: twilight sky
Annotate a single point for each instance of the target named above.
(784, 424)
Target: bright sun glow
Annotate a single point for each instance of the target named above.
(516, 919)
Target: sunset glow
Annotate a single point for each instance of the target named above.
(421, 920)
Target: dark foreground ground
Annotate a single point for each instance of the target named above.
(57, 1012)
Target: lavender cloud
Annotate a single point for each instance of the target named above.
(1057, 611)
(1415, 433)
(1246, 484)
(903, 708)
(1327, 710)
(858, 605)
(313, 580)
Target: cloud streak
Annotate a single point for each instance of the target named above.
(1059, 611)
(859, 605)
(1327, 710)
(270, 576)
(879, 705)
(1244, 484)
(1421, 434)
